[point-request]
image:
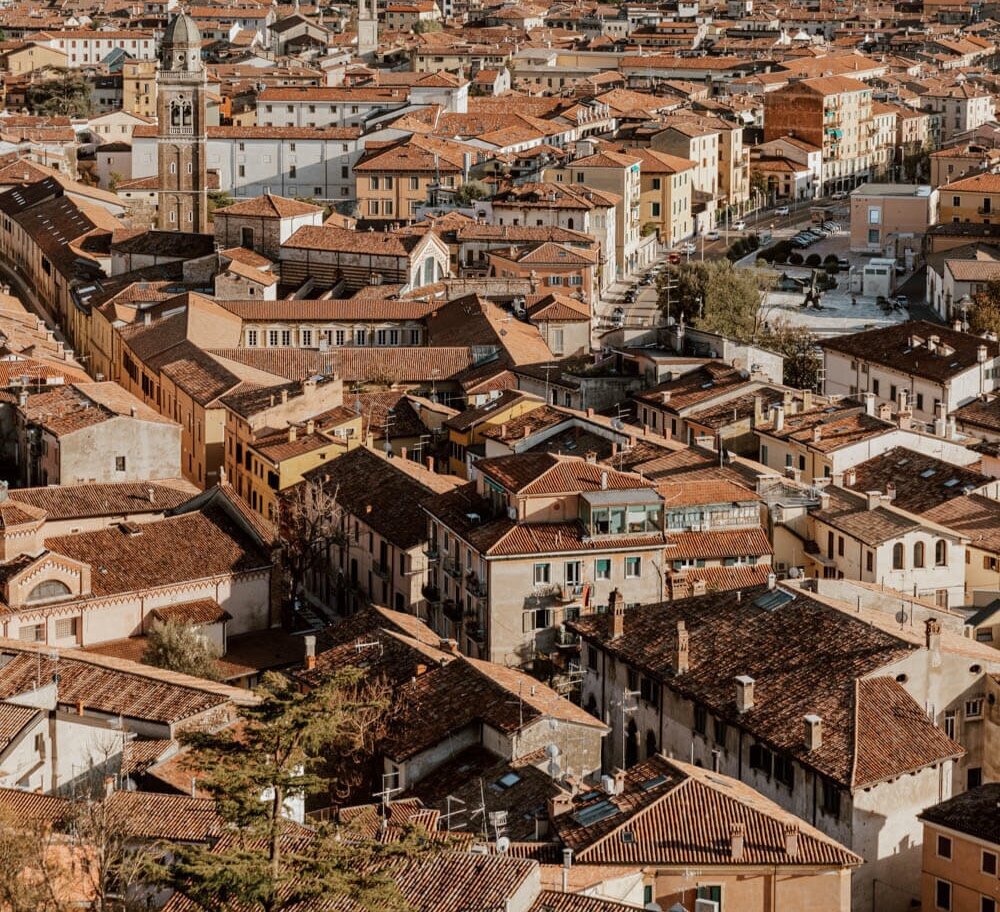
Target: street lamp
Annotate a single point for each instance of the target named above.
(964, 303)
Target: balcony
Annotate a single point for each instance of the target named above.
(431, 553)
(431, 593)
(452, 610)
(452, 567)
(380, 570)
(985, 210)
(475, 586)
(566, 640)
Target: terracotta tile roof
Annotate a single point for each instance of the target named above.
(13, 720)
(553, 901)
(65, 409)
(975, 813)
(444, 700)
(975, 517)
(347, 240)
(357, 363)
(34, 806)
(146, 815)
(546, 473)
(192, 546)
(904, 348)
(980, 414)
(828, 428)
(247, 257)
(679, 814)
(269, 206)
(741, 576)
(806, 656)
(313, 311)
(523, 799)
(693, 387)
(734, 410)
(717, 545)
(922, 482)
(105, 690)
(849, 513)
(385, 494)
(199, 611)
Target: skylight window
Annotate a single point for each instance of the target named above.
(507, 780)
(927, 473)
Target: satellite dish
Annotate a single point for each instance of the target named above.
(793, 572)
(552, 750)
(503, 843)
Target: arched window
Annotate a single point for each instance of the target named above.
(918, 554)
(186, 114)
(632, 744)
(50, 589)
(897, 556)
(428, 272)
(173, 167)
(941, 553)
(569, 224)
(175, 113)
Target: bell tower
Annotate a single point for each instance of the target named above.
(182, 141)
(367, 29)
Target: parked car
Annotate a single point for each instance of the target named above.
(832, 227)
(902, 302)
(712, 235)
(740, 225)
(618, 317)
(900, 269)
(782, 210)
(839, 195)
(843, 264)
(689, 247)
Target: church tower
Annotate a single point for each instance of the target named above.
(181, 142)
(367, 29)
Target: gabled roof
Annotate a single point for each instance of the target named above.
(269, 206)
(678, 814)
(806, 656)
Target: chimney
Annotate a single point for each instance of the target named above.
(869, 403)
(932, 343)
(616, 606)
(791, 840)
(560, 804)
(981, 354)
(737, 832)
(503, 431)
(665, 397)
(309, 642)
(682, 659)
(817, 433)
(772, 582)
(885, 411)
(590, 412)
(758, 410)
(450, 645)
(890, 490)
(901, 400)
(591, 457)
(813, 732)
(527, 431)
(744, 693)
(850, 478)
(873, 499)
(22, 398)
(604, 481)
(807, 400)
(430, 463)
(932, 634)
(951, 432)
(618, 777)
(402, 452)
(779, 417)
(292, 433)
(311, 427)
(698, 587)
(284, 395)
(151, 494)
(133, 411)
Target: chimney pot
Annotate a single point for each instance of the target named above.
(560, 804)
(744, 693)
(309, 643)
(737, 833)
(813, 732)
(682, 662)
(616, 605)
(779, 418)
(791, 840)
(932, 634)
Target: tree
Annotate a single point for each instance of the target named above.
(716, 296)
(32, 871)
(803, 358)
(423, 26)
(310, 523)
(179, 646)
(68, 94)
(218, 199)
(471, 190)
(984, 315)
(252, 771)
(917, 162)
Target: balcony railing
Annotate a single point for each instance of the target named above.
(431, 593)
(380, 570)
(452, 567)
(431, 553)
(476, 586)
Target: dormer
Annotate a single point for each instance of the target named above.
(20, 527)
